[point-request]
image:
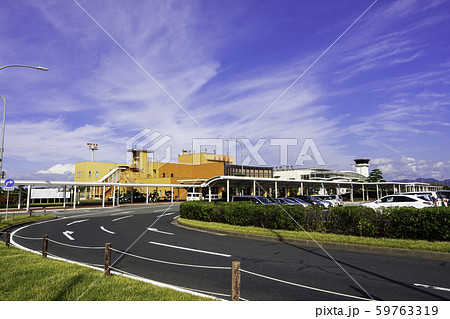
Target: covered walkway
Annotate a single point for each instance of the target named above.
(73, 189)
(264, 186)
(254, 185)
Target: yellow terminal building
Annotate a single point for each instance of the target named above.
(191, 169)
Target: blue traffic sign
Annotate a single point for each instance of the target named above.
(9, 183)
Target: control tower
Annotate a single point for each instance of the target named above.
(362, 166)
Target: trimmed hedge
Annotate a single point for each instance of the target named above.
(249, 214)
(432, 223)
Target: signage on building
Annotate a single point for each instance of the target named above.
(48, 193)
(217, 158)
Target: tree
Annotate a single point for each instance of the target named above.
(375, 176)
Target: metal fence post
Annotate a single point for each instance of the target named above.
(235, 281)
(107, 259)
(44, 246)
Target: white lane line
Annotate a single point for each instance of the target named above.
(432, 287)
(127, 212)
(176, 217)
(108, 231)
(164, 210)
(161, 210)
(77, 221)
(122, 218)
(159, 231)
(190, 249)
(166, 206)
(168, 214)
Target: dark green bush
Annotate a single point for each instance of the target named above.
(431, 223)
(356, 221)
(249, 214)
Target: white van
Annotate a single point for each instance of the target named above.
(193, 196)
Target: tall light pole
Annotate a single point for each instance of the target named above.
(3, 137)
(4, 109)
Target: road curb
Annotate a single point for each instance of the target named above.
(26, 223)
(327, 245)
(10, 228)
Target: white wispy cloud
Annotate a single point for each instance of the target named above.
(100, 95)
(398, 168)
(59, 169)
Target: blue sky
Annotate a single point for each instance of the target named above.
(209, 69)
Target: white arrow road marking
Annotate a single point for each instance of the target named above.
(159, 231)
(190, 249)
(432, 287)
(77, 221)
(122, 218)
(108, 231)
(67, 233)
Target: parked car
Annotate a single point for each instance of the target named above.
(400, 201)
(309, 199)
(302, 202)
(437, 199)
(254, 199)
(286, 201)
(137, 198)
(338, 198)
(313, 200)
(214, 197)
(335, 200)
(193, 196)
(445, 195)
(324, 203)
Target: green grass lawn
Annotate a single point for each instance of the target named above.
(28, 276)
(20, 219)
(322, 237)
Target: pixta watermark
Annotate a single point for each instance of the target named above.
(257, 151)
(276, 151)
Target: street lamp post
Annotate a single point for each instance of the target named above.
(4, 109)
(3, 137)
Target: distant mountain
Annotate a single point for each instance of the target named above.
(426, 180)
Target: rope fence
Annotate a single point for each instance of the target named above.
(235, 268)
(303, 286)
(28, 238)
(73, 246)
(169, 262)
(121, 271)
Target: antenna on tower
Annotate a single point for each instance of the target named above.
(93, 147)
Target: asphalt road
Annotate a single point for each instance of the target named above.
(200, 261)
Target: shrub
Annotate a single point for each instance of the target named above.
(431, 223)
(355, 220)
(249, 214)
